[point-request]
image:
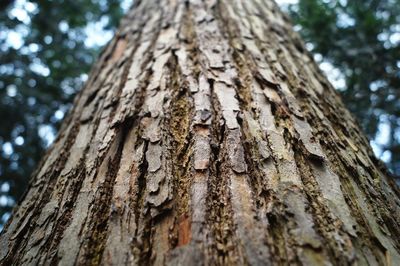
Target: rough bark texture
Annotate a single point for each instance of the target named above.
(207, 135)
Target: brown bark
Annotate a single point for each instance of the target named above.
(207, 135)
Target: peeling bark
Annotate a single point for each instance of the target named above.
(207, 135)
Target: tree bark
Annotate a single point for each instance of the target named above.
(207, 135)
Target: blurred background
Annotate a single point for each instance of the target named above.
(48, 46)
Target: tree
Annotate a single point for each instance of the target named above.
(361, 38)
(206, 134)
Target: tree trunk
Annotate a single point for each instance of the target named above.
(207, 135)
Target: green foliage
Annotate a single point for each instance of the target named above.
(361, 38)
(43, 60)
